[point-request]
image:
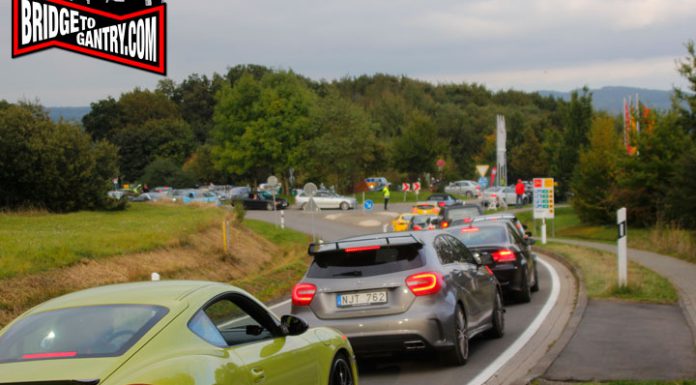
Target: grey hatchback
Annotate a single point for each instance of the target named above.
(400, 292)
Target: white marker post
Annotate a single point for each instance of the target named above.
(622, 249)
(543, 231)
(282, 219)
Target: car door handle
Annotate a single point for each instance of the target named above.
(258, 375)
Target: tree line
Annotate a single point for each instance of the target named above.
(252, 121)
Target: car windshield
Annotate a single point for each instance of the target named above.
(83, 332)
(478, 236)
(421, 219)
(386, 260)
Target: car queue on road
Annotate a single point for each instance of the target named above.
(432, 288)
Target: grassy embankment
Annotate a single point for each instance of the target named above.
(599, 268)
(664, 240)
(45, 255)
(398, 196)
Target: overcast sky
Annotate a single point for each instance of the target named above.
(521, 44)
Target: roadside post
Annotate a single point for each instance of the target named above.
(272, 182)
(622, 247)
(543, 203)
(405, 187)
(310, 189)
(282, 219)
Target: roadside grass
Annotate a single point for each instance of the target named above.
(667, 240)
(274, 280)
(266, 269)
(599, 273)
(276, 235)
(36, 241)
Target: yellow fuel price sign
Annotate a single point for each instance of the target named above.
(543, 198)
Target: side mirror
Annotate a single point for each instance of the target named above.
(293, 326)
(254, 330)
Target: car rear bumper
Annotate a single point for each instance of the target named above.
(410, 331)
(509, 275)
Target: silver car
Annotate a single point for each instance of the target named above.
(399, 292)
(464, 187)
(326, 200)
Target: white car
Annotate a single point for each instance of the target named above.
(464, 187)
(504, 196)
(326, 200)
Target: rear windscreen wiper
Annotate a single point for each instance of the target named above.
(354, 273)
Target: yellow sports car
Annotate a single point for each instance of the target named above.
(426, 208)
(401, 222)
(169, 333)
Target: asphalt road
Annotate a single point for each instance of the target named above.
(423, 369)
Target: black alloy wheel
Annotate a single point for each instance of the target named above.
(341, 373)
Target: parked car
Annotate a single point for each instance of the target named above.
(426, 208)
(376, 183)
(168, 332)
(236, 193)
(505, 196)
(424, 222)
(459, 214)
(326, 199)
(401, 222)
(400, 292)
(262, 200)
(468, 188)
(513, 263)
(195, 196)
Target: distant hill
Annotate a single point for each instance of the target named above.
(72, 114)
(610, 99)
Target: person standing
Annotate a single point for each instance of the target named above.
(519, 191)
(387, 194)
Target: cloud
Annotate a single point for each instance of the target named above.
(530, 44)
(658, 73)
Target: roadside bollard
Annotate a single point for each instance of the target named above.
(282, 219)
(385, 228)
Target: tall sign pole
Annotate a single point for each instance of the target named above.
(501, 139)
(622, 262)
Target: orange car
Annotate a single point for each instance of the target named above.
(426, 208)
(401, 222)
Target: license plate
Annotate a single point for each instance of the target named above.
(361, 299)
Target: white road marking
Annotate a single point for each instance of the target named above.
(287, 301)
(524, 338)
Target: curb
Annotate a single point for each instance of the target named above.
(580, 305)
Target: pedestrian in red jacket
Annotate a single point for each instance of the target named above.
(519, 190)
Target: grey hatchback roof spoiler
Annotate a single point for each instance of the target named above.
(364, 244)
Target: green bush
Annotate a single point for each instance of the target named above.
(49, 165)
(239, 211)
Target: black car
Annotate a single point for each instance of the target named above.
(262, 200)
(459, 214)
(513, 263)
